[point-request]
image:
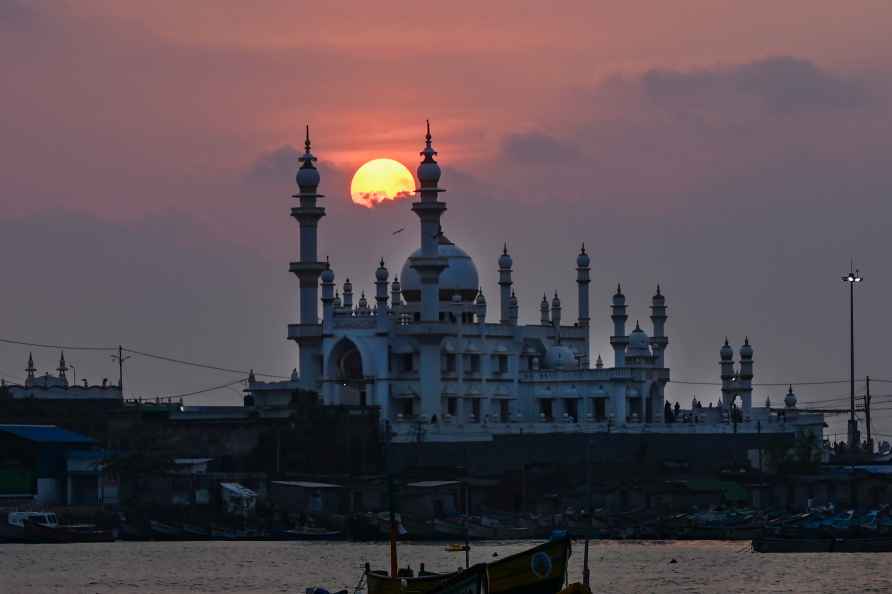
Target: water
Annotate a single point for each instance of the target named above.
(178, 568)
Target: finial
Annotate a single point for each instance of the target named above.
(429, 151)
(726, 341)
(583, 248)
(619, 289)
(427, 137)
(658, 289)
(637, 327)
(746, 341)
(791, 388)
(307, 141)
(505, 248)
(381, 263)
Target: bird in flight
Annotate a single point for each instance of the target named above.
(400, 230)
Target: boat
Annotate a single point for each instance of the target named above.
(474, 580)
(540, 570)
(13, 530)
(162, 531)
(769, 544)
(309, 533)
(36, 532)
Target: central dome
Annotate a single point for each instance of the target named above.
(459, 277)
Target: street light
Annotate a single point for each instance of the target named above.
(852, 278)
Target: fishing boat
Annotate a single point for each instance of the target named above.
(474, 580)
(64, 533)
(540, 570)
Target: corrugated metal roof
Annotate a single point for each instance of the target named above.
(46, 434)
(307, 484)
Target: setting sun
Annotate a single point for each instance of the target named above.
(380, 180)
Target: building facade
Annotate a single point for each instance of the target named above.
(425, 352)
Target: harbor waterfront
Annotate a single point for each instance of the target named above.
(236, 568)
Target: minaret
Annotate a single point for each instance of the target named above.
(429, 209)
(480, 307)
(348, 296)
(619, 340)
(381, 297)
(599, 364)
(505, 263)
(429, 265)
(658, 340)
(362, 308)
(556, 312)
(63, 367)
(582, 283)
(308, 333)
(29, 370)
(544, 319)
(513, 309)
(726, 353)
(396, 299)
(746, 375)
(328, 296)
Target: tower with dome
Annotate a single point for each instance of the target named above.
(427, 354)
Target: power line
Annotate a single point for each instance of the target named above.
(204, 390)
(64, 347)
(202, 365)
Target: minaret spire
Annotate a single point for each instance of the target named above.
(583, 280)
(307, 333)
(505, 283)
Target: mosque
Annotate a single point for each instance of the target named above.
(426, 354)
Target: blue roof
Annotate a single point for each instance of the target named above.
(46, 434)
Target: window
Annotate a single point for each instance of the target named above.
(600, 409)
(472, 364)
(452, 406)
(475, 408)
(545, 408)
(449, 363)
(504, 411)
(501, 363)
(406, 362)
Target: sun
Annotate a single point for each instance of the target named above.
(380, 180)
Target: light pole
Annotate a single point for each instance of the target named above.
(852, 278)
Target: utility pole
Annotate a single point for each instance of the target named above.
(853, 277)
(120, 358)
(867, 413)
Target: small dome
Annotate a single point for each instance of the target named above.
(556, 302)
(505, 260)
(619, 298)
(746, 351)
(395, 285)
(381, 273)
(327, 276)
(582, 260)
(790, 398)
(560, 357)
(726, 352)
(658, 298)
(459, 278)
(307, 177)
(638, 344)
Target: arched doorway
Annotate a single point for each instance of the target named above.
(347, 374)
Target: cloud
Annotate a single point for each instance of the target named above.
(537, 147)
(781, 84)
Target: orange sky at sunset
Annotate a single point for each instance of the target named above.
(154, 146)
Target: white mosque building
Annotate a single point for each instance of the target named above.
(426, 354)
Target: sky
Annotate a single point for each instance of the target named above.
(739, 154)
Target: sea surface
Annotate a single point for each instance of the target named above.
(242, 567)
